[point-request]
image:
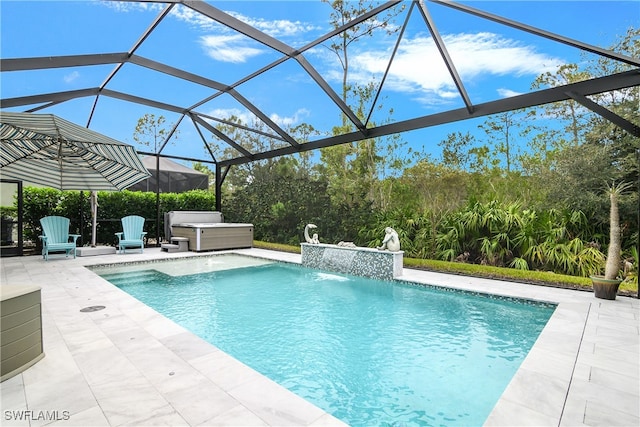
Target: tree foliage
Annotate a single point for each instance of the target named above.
(151, 131)
(528, 196)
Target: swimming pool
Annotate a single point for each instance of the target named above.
(366, 351)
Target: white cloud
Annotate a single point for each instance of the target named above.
(277, 27)
(508, 93)
(179, 12)
(220, 42)
(274, 28)
(69, 78)
(194, 18)
(249, 119)
(228, 48)
(290, 121)
(244, 116)
(418, 66)
(129, 7)
(490, 53)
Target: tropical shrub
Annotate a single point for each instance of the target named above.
(496, 235)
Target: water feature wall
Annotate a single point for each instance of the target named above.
(358, 261)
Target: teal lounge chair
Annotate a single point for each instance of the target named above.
(56, 237)
(131, 235)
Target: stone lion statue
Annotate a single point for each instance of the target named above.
(391, 241)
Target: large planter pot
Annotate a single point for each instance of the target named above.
(605, 288)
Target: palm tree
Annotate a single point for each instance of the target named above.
(612, 267)
(607, 287)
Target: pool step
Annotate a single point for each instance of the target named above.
(131, 277)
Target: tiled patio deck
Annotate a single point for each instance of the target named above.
(127, 365)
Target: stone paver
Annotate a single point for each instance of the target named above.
(128, 365)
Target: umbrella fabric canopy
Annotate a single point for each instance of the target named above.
(47, 150)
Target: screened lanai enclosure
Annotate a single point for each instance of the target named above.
(170, 177)
(224, 73)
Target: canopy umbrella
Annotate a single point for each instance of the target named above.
(47, 150)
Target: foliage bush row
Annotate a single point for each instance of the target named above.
(112, 206)
(499, 235)
(490, 233)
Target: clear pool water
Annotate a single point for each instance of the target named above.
(369, 352)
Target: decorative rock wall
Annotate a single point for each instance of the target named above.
(357, 261)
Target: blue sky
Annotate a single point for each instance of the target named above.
(493, 61)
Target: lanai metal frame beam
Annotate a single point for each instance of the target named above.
(442, 48)
(577, 91)
(561, 93)
(538, 32)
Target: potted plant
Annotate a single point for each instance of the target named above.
(606, 287)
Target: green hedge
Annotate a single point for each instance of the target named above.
(75, 205)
